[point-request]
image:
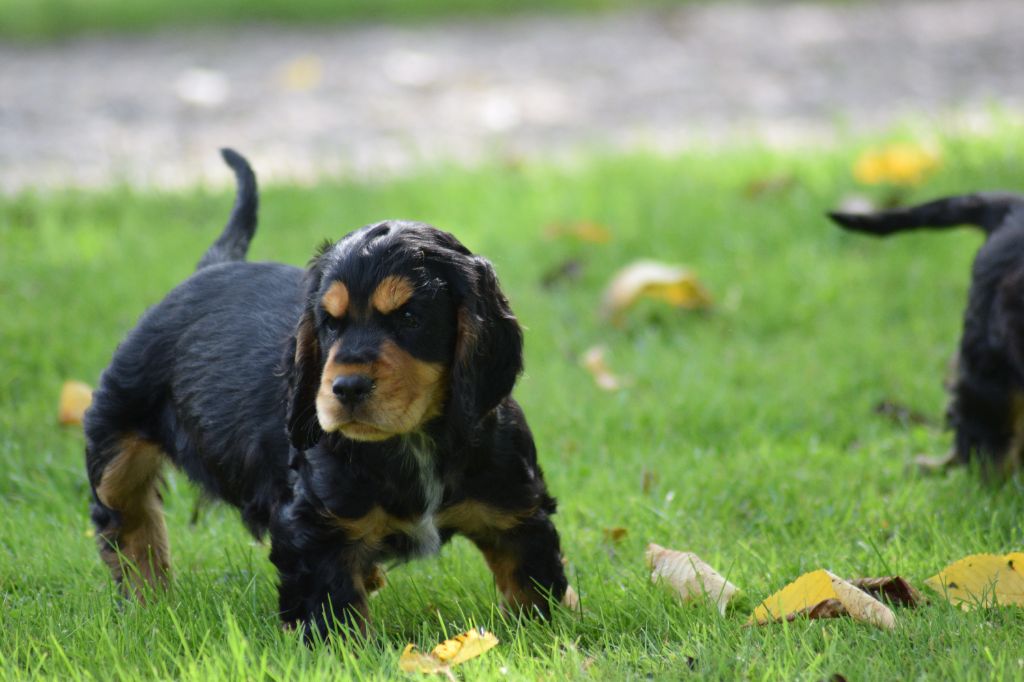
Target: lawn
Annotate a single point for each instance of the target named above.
(48, 19)
(755, 423)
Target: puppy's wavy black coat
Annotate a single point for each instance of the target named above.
(986, 406)
(359, 411)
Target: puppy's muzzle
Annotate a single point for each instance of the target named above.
(352, 389)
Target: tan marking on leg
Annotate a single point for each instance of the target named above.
(374, 579)
(335, 300)
(505, 567)
(1012, 459)
(392, 293)
(129, 486)
(371, 528)
(479, 519)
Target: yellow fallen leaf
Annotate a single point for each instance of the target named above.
(302, 74)
(689, 576)
(982, 580)
(895, 164)
(469, 644)
(75, 398)
(413, 660)
(458, 649)
(593, 360)
(673, 284)
(822, 594)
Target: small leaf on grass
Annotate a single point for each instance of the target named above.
(982, 580)
(615, 534)
(469, 644)
(566, 271)
(413, 660)
(582, 230)
(454, 651)
(768, 185)
(895, 164)
(892, 588)
(593, 360)
(75, 398)
(689, 576)
(673, 284)
(821, 594)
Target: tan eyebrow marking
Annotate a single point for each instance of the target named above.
(335, 300)
(391, 294)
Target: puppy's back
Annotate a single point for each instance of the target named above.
(200, 375)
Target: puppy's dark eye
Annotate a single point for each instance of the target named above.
(408, 320)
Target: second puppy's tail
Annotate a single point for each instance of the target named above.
(987, 210)
(233, 242)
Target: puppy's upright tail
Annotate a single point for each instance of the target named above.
(233, 242)
(987, 210)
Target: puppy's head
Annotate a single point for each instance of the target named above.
(402, 324)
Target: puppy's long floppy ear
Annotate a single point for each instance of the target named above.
(305, 365)
(488, 347)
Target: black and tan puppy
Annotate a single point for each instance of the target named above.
(358, 410)
(986, 406)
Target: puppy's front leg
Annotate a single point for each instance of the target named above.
(320, 587)
(522, 550)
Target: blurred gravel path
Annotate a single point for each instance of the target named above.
(374, 99)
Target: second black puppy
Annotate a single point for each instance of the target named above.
(358, 410)
(986, 406)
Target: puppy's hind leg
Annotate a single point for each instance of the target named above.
(128, 512)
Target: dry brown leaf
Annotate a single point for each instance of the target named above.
(75, 398)
(648, 479)
(448, 653)
(891, 588)
(982, 580)
(614, 534)
(769, 185)
(593, 360)
(582, 230)
(673, 284)
(822, 594)
(689, 576)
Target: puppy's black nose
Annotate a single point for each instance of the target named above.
(352, 389)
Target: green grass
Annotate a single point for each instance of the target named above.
(48, 19)
(757, 419)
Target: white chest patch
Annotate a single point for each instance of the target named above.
(424, 534)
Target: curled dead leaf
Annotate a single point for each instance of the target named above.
(892, 588)
(674, 284)
(75, 398)
(689, 576)
(822, 594)
(593, 360)
(982, 580)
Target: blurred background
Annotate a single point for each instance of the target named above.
(94, 92)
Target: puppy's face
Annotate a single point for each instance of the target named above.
(402, 324)
(386, 326)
